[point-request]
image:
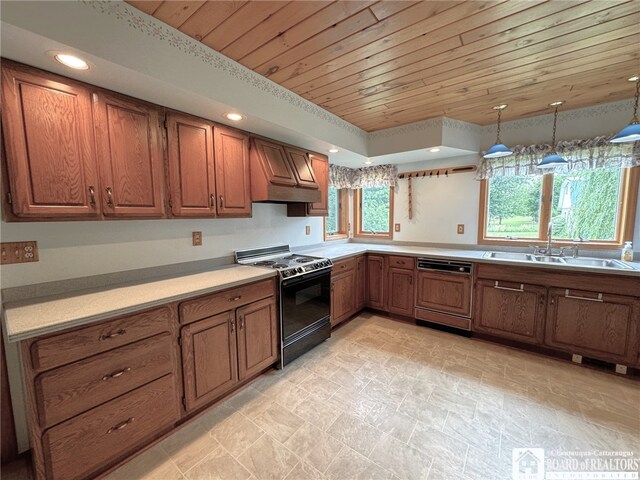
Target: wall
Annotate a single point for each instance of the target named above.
(78, 249)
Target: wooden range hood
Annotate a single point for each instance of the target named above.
(281, 173)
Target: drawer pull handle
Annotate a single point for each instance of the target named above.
(235, 299)
(241, 322)
(120, 332)
(116, 374)
(574, 297)
(232, 324)
(92, 196)
(212, 201)
(109, 197)
(521, 289)
(221, 201)
(121, 425)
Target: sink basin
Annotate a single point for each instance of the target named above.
(545, 259)
(527, 257)
(598, 262)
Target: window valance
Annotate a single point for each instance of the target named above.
(587, 154)
(376, 176)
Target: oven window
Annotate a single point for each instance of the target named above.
(304, 303)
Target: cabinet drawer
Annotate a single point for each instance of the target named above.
(401, 262)
(227, 300)
(72, 389)
(344, 265)
(80, 343)
(80, 447)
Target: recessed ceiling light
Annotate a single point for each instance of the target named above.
(234, 117)
(434, 150)
(333, 150)
(72, 61)
(500, 107)
(368, 162)
(556, 104)
(635, 78)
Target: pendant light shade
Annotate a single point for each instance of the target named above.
(499, 149)
(631, 133)
(553, 160)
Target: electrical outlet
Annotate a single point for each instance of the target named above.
(307, 230)
(18, 252)
(621, 369)
(197, 239)
(575, 358)
(397, 227)
(460, 228)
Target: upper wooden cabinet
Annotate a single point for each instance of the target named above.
(274, 163)
(130, 154)
(301, 167)
(320, 165)
(233, 179)
(48, 135)
(191, 166)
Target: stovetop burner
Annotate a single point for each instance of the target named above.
(265, 263)
(280, 258)
(279, 265)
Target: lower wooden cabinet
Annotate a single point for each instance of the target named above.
(444, 292)
(220, 351)
(361, 282)
(376, 283)
(342, 296)
(510, 310)
(594, 324)
(401, 291)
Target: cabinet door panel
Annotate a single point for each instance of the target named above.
(401, 291)
(209, 359)
(191, 167)
(376, 282)
(129, 145)
(342, 297)
(302, 169)
(514, 311)
(275, 164)
(232, 173)
(48, 136)
(257, 337)
(361, 281)
(602, 326)
(446, 292)
(320, 165)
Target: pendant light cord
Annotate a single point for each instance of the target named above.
(635, 105)
(555, 121)
(500, 113)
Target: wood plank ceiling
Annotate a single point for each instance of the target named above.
(392, 62)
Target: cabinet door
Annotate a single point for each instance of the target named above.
(257, 337)
(593, 324)
(273, 161)
(447, 292)
(510, 310)
(320, 165)
(401, 291)
(209, 359)
(191, 166)
(129, 146)
(376, 282)
(48, 135)
(342, 297)
(233, 181)
(361, 281)
(302, 168)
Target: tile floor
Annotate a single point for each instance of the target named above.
(388, 400)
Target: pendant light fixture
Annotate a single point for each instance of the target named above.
(631, 133)
(498, 150)
(553, 159)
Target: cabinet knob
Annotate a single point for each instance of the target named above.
(212, 201)
(109, 197)
(221, 201)
(241, 327)
(92, 196)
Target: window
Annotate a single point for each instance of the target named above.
(336, 223)
(597, 206)
(374, 211)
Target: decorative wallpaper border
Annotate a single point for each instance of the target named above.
(175, 39)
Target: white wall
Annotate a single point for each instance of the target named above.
(439, 204)
(78, 249)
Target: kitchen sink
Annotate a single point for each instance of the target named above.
(545, 259)
(527, 257)
(598, 262)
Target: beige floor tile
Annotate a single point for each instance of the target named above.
(379, 373)
(421, 410)
(448, 450)
(388, 394)
(319, 386)
(289, 396)
(389, 420)
(403, 460)
(482, 466)
(609, 419)
(354, 432)
(218, 465)
(319, 412)
(473, 432)
(278, 422)
(189, 445)
(267, 459)
(249, 402)
(151, 465)
(350, 465)
(353, 402)
(236, 434)
(345, 378)
(304, 471)
(314, 446)
(454, 402)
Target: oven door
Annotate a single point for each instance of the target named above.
(305, 304)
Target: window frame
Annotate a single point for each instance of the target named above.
(627, 205)
(357, 213)
(343, 217)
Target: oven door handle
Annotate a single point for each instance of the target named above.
(306, 277)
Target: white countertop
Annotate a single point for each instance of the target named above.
(50, 314)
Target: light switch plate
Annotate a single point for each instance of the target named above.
(460, 228)
(196, 239)
(18, 252)
(397, 227)
(307, 230)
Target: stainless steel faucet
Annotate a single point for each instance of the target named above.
(549, 235)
